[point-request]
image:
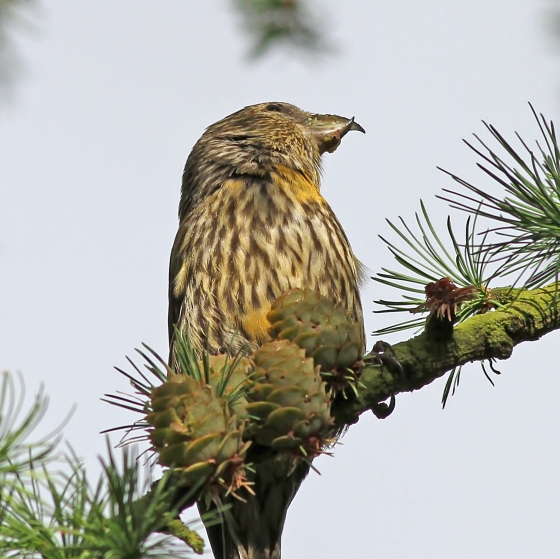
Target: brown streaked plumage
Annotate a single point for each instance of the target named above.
(253, 224)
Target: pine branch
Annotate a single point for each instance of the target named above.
(526, 315)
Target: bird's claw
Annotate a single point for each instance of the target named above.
(384, 354)
(382, 410)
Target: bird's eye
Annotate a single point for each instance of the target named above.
(238, 138)
(274, 108)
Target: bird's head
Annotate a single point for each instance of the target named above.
(255, 140)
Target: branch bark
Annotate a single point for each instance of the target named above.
(524, 315)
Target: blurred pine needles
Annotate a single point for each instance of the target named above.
(282, 23)
(50, 509)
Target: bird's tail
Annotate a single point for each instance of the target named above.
(252, 529)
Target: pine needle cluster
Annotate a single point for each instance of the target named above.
(511, 234)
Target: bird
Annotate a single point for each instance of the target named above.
(254, 224)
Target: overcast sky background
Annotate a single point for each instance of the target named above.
(92, 146)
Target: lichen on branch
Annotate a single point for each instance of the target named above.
(526, 315)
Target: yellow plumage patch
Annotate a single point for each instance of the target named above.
(297, 184)
(256, 324)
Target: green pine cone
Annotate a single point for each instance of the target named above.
(197, 431)
(288, 402)
(313, 322)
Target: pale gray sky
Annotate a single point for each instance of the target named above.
(93, 144)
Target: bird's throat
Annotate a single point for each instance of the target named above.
(297, 184)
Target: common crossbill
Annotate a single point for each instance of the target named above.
(252, 225)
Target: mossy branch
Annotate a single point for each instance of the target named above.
(526, 315)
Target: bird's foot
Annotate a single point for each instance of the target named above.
(382, 410)
(384, 355)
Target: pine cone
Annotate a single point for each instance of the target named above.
(288, 400)
(197, 431)
(326, 332)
